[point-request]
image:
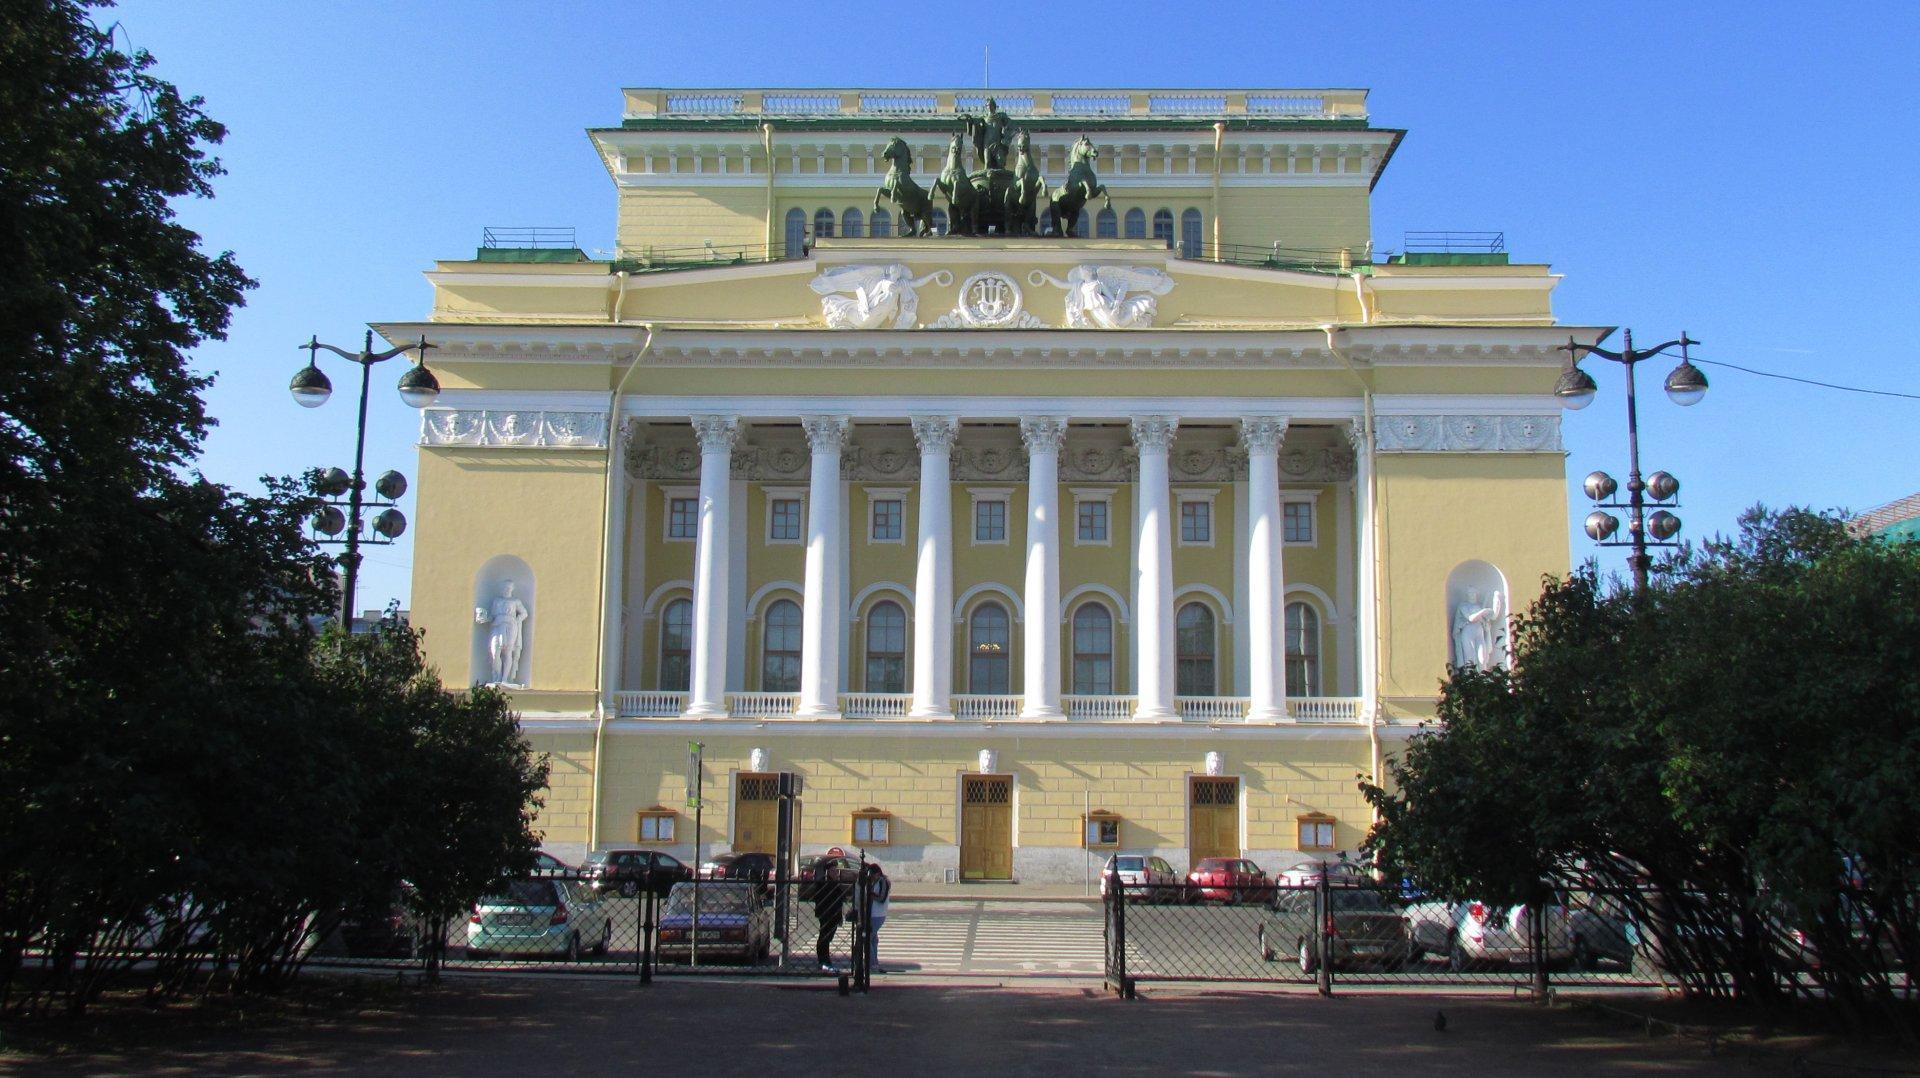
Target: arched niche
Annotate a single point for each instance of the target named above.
(491, 604)
(1479, 616)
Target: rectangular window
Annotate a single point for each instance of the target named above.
(1298, 522)
(1093, 522)
(888, 520)
(783, 521)
(1102, 829)
(871, 828)
(1196, 522)
(683, 518)
(1315, 832)
(656, 827)
(990, 522)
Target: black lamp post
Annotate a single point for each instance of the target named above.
(1686, 385)
(310, 388)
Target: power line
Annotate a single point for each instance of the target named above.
(1809, 381)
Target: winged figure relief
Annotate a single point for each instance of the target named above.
(872, 297)
(1110, 297)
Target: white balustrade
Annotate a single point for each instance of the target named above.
(1092, 104)
(1212, 708)
(875, 705)
(703, 104)
(980, 706)
(801, 104)
(651, 705)
(928, 102)
(1186, 104)
(1324, 708)
(1097, 708)
(762, 705)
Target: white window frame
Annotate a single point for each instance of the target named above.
(1092, 494)
(977, 495)
(1309, 498)
(876, 495)
(670, 495)
(1181, 499)
(784, 494)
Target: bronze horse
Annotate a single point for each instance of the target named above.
(1081, 186)
(963, 200)
(1028, 190)
(914, 202)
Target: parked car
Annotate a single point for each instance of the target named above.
(1362, 927)
(1337, 873)
(1143, 878)
(1228, 880)
(1478, 934)
(557, 918)
(382, 930)
(728, 919)
(835, 869)
(737, 866)
(626, 871)
(546, 864)
(1602, 931)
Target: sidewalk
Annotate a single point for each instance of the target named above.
(996, 891)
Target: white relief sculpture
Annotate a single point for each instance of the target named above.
(1216, 765)
(1467, 434)
(988, 300)
(505, 641)
(872, 297)
(1479, 631)
(989, 761)
(757, 760)
(1110, 297)
(497, 427)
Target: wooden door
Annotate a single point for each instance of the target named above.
(756, 814)
(986, 827)
(1213, 816)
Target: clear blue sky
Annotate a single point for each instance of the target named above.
(1744, 171)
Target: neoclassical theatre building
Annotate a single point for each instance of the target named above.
(1141, 506)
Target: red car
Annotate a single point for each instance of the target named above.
(1228, 880)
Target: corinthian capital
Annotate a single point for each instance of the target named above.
(935, 433)
(1043, 434)
(1263, 433)
(716, 433)
(825, 433)
(1154, 431)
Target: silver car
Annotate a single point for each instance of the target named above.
(552, 918)
(1476, 934)
(1142, 877)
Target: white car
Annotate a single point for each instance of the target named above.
(1478, 934)
(1143, 877)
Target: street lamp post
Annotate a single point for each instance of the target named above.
(1686, 385)
(310, 388)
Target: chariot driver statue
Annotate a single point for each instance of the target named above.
(992, 137)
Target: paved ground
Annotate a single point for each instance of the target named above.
(583, 1026)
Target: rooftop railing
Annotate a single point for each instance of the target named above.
(528, 238)
(1454, 243)
(661, 103)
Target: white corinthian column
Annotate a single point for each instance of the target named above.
(933, 574)
(820, 616)
(707, 695)
(1153, 562)
(1266, 578)
(1044, 435)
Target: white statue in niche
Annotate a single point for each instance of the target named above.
(1100, 297)
(1479, 631)
(507, 615)
(879, 295)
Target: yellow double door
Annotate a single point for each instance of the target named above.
(986, 827)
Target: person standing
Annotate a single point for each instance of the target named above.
(878, 889)
(829, 909)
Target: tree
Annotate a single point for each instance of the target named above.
(1740, 743)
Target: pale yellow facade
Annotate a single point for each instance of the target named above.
(1101, 643)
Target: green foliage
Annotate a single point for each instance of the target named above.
(1743, 738)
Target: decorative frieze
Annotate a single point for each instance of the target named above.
(879, 463)
(986, 463)
(1467, 434)
(988, 300)
(1109, 297)
(1097, 464)
(515, 428)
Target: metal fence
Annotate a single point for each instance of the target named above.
(569, 922)
(1353, 930)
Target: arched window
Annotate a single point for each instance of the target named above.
(1163, 226)
(851, 226)
(1106, 226)
(780, 648)
(1082, 228)
(989, 649)
(796, 232)
(880, 225)
(1092, 650)
(823, 225)
(676, 646)
(1303, 651)
(939, 222)
(886, 648)
(1193, 646)
(1136, 224)
(1190, 234)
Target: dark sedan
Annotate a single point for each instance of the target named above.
(737, 866)
(627, 871)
